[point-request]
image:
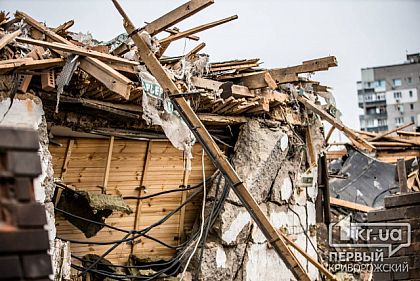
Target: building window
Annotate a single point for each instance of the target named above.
(368, 97)
(380, 96)
(413, 119)
(381, 122)
(410, 93)
(409, 79)
(381, 83)
(399, 121)
(370, 123)
(397, 95)
(412, 106)
(396, 82)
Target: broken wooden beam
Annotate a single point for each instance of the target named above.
(313, 261)
(9, 37)
(173, 17)
(358, 141)
(30, 64)
(402, 175)
(288, 74)
(208, 84)
(213, 151)
(350, 205)
(77, 50)
(111, 78)
(381, 135)
(196, 29)
(62, 28)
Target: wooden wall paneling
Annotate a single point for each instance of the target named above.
(164, 171)
(108, 164)
(140, 191)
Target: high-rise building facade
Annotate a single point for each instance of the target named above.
(389, 95)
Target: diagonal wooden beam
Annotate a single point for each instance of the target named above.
(288, 74)
(6, 39)
(213, 151)
(386, 133)
(64, 26)
(112, 79)
(173, 17)
(196, 29)
(77, 50)
(358, 141)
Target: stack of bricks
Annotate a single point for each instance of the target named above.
(404, 264)
(23, 239)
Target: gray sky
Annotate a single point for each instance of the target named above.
(280, 33)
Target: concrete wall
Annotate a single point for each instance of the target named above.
(271, 164)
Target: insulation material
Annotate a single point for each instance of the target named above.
(105, 201)
(197, 67)
(91, 206)
(158, 110)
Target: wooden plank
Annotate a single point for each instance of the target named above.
(415, 134)
(108, 164)
(77, 50)
(288, 74)
(111, 78)
(67, 158)
(358, 141)
(238, 91)
(402, 175)
(196, 29)
(214, 152)
(29, 64)
(9, 37)
(310, 147)
(270, 81)
(393, 214)
(350, 205)
(325, 187)
(185, 179)
(410, 198)
(137, 217)
(313, 261)
(63, 27)
(381, 135)
(176, 30)
(173, 17)
(195, 50)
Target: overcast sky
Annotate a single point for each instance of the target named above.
(280, 33)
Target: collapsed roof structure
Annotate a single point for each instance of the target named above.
(127, 200)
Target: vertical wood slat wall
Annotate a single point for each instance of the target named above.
(86, 170)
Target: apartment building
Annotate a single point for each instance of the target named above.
(388, 95)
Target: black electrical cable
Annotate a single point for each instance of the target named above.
(168, 191)
(104, 254)
(304, 232)
(215, 211)
(118, 229)
(139, 233)
(384, 191)
(143, 233)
